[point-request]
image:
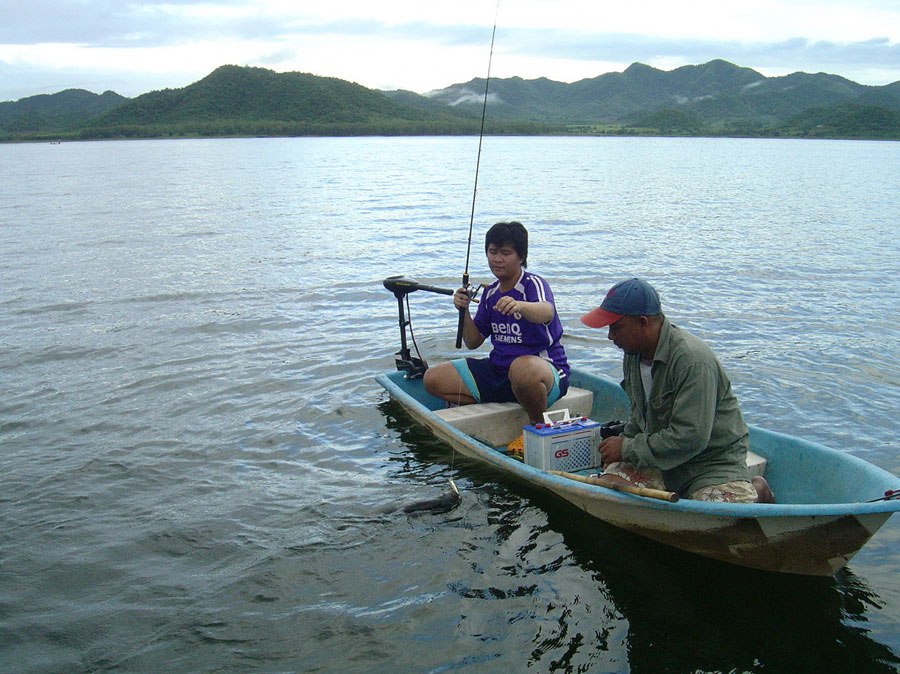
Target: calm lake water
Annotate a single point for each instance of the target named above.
(195, 459)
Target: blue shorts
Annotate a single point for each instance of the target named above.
(488, 384)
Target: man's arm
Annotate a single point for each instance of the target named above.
(691, 409)
(536, 312)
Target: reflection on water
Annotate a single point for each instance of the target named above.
(670, 610)
(716, 617)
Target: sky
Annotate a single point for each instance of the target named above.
(135, 46)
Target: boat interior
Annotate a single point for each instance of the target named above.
(498, 424)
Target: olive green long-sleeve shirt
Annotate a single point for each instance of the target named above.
(692, 428)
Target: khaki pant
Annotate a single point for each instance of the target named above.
(738, 491)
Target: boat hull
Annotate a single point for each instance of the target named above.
(816, 545)
(815, 529)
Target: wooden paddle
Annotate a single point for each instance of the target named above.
(620, 484)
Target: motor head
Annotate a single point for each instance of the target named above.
(400, 285)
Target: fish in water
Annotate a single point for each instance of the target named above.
(444, 503)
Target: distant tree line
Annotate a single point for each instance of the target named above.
(242, 101)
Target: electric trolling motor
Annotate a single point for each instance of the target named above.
(414, 366)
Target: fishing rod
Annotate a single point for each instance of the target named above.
(402, 287)
(465, 276)
(889, 495)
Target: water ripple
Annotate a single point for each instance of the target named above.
(200, 473)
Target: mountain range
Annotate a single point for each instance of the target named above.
(715, 98)
(716, 94)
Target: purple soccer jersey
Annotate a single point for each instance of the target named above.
(513, 336)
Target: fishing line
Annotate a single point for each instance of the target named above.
(465, 276)
(487, 82)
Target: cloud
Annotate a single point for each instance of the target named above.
(584, 46)
(134, 46)
(108, 23)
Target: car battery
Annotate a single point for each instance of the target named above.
(567, 445)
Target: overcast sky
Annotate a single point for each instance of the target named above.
(132, 47)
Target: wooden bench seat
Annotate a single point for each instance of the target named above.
(498, 424)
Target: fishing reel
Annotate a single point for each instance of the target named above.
(472, 290)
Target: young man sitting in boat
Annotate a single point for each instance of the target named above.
(685, 431)
(527, 363)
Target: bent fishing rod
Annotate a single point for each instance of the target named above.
(465, 276)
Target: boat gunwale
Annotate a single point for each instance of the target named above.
(596, 492)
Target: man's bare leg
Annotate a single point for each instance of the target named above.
(444, 382)
(531, 379)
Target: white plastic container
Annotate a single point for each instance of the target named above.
(566, 444)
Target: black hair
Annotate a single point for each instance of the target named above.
(509, 233)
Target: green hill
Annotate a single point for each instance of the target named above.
(62, 111)
(845, 121)
(236, 100)
(719, 95)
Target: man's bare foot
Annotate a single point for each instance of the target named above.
(764, 493)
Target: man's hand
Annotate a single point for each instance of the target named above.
(611, 450)
(506, 305)
(535, 312)
(461, 299)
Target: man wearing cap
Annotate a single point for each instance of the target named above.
(685, 431)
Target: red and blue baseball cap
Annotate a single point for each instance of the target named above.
(633, 297)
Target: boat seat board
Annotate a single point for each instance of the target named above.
(755, 464)
(498, 424)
